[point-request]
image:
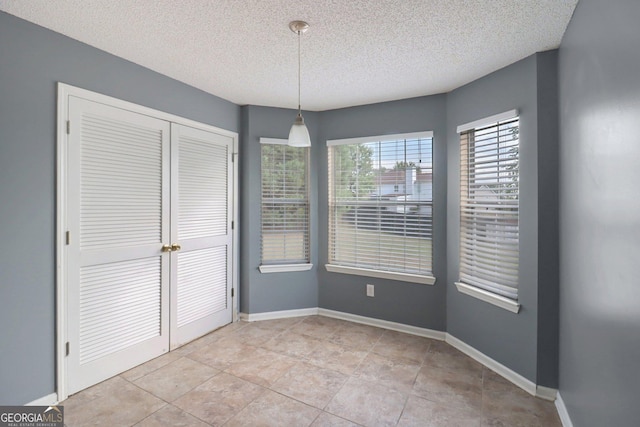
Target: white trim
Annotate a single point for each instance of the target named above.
(235, 232)
(527, 385)
(381, 274)
(546, 393)
(274, 141)
(284, 314)
(490, 297)
(510, 375)
(284, 268)
(140, 109)
(61, 215)
(385, 324)
(562, 412)
(49, 399)
(64, 92)
(379, 323)
(365, 139)
(487, 121)
(497, 367)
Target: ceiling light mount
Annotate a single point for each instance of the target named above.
(298, 26)
(299, 134)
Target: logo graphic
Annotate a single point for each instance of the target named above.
(31, 416)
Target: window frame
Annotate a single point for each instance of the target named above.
(486, 295)
(427, 279)
(282, 267)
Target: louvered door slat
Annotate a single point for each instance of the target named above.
(119, 158)
(203, 286)
(118, 204)
(202, 188)
(201, 179)
(135, 183)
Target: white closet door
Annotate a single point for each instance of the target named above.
(118, 219)
(201, 180)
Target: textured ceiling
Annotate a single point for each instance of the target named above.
(356, 51)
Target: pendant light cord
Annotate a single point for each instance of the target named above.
(299, 84)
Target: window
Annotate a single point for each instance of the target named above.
(380, 206)
(285, 206)
(489, 207)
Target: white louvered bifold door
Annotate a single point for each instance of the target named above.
(118, 219)
(201, 182)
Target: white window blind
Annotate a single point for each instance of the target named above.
(489, 207)
(285, 203)
(380, 203)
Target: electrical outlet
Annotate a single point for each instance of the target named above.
(370, 290)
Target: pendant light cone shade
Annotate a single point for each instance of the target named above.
(299, 134)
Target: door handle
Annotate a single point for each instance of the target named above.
(171, 248)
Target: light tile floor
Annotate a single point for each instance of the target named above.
(312, 371)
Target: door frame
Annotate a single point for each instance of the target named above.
(64, 92)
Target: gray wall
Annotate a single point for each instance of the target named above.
(600, 214)
(548, 219)
(409, 303)
(32, 60)
(511, 339)
(264, 292)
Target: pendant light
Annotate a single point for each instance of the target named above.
(299, 134)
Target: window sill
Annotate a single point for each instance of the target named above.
(381, 274)
(284, 268)
(491, 298)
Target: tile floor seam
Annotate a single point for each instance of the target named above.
(248, 403)
(316, 418)
(404, 407)
(335, 394)
(535, 414)
(336, 415)
(447, 404)
(297, 400)
(333, 397)
(453, 370)
(258, 397)
(188, 391)
(137, 423)
(426, 354)
(145, 390)
(193, 415)
(325, 405)
(374, 382)
(150, 372)
(360, 363)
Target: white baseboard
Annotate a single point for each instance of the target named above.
(510, 375)
(562, 412)
(385, 324)
(497, 367)
(272, 315)
(50, 399)
(546, 393)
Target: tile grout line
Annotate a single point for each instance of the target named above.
(248, 403)
(410, 394)
(306, 358)
(148, 392)
(324, 409)
(354, 373)
(269, 388)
